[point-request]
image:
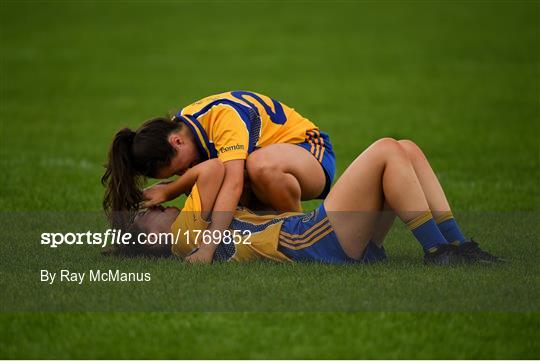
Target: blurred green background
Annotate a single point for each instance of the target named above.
(460, 78)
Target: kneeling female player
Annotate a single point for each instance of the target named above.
(390, 178)
(286, 157)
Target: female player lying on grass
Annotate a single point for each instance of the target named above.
(284, 154)
(390, 178)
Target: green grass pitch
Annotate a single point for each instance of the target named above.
(461, 79)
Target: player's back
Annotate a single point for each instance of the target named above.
(274, 121)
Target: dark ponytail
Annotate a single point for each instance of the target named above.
(133, 156)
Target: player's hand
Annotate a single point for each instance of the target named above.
(201, 255)
(155, 195)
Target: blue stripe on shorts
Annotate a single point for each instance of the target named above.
(319, 145)
(310, 238)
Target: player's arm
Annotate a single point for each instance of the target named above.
(224, 207)
(232, 141)
(208, 175)
(209, 181)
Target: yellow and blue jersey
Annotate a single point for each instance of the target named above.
(294, 236)
(233, 124)
(260, 243)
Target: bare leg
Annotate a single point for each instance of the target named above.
(440, 208)
(281, 175)
(431, 187)
(428, 180)
(384, 223)
(381, 172)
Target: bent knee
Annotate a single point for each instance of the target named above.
(389, 146)
(262, 167)
(387, 142)
(412, 149)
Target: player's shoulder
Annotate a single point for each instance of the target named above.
(201, 104)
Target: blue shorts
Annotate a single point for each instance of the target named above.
(311, 238)
(318, 144)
